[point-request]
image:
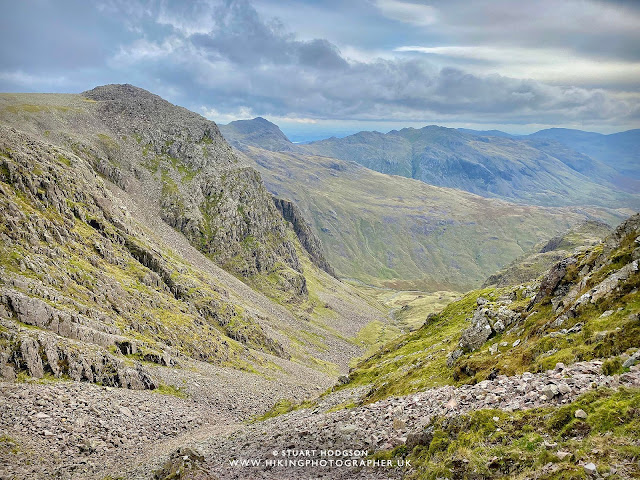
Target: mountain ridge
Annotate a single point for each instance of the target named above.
(513, 169)
(174, 167)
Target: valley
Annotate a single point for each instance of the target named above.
(176, 298)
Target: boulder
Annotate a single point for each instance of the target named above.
(475, 336)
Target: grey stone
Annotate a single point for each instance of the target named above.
(453, 356)
(419, 438)
(632, 360)
(126, 412)
(30, 350)
(590, 469)
(475, 336)
(550, 391)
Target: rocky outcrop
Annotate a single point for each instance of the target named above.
(37, 353)
(553, 279)
(221, 207)
(488, 320)
(590, 276)
(37, 313)
(602, 274)
(292, 214)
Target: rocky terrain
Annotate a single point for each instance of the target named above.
(468, 416)
(121, 213)
(165, 315)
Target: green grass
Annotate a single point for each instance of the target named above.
(9, 444)
(281, 407)
(164, 389)
(417, 361)
(401, 233)
(64, 160)
(495, 443)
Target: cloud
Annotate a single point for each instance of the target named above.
(454, 63)
(552, 65)
(256, 66)
(408, 12)
(18, 77)
(243, 38)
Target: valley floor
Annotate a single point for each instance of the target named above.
(72, 430)
(53, 429)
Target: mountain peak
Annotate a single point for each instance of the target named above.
(257, 132)
(119, 91)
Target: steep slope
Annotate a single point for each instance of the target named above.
(83, 289)
(586, 306)
(544, 255)
(183, 162)
(507, 168)
(182, 187)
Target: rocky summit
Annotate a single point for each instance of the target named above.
(174, 307)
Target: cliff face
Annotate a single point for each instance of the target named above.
(180, 162)
(86, 293)
(292, 214)
(222, 207)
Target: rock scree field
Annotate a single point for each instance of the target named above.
(174, 306)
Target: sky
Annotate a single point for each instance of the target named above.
(332, 67)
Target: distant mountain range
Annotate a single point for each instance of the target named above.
(400, 232)
(554, 167)
(619, 151)
(532, 170)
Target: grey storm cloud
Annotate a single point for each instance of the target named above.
(229, 57)
(243, 38)
(249, 61)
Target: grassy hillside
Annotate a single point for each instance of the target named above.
(543, 255)
(405, 234)
(586, 307)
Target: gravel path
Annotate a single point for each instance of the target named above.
(384, 424)
(78, 430)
